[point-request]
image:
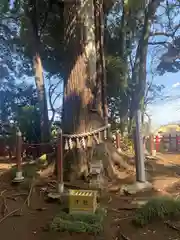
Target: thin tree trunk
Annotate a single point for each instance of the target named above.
(139, 79)
(40, 86)
(100, 62)
(139, 70)
(32, 13)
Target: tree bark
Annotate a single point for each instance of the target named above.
(80, 82)
(84, 103)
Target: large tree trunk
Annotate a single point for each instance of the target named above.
(83, 106)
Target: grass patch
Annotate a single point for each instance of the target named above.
(79, 223)
(157, 208)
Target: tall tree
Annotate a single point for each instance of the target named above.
(75, 53)
(26, 17)
(19, 105)
(32, 10)
(83, 106)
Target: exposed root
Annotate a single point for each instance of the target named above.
(116, 157)
(115, 165)
(48, 171)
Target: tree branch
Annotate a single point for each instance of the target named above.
(51, 91)
(146, 93)
(165, 34)
(169, 59)
(57, 96)
(164, 43)
(139, 70)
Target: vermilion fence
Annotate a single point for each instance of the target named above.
(33, 150)
(170, 143)
(5, 148)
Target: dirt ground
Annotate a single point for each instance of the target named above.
(31, 222)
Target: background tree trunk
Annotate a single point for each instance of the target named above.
(32, 12)
(39, 80)
(100, 56)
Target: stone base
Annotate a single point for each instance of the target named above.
(54, 195)
(60, 188)
(19, 178)
(59, 193)
(154, 153)
(136, 187)
(119, 150)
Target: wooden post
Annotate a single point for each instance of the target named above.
(118, 137)
(157, 143)
(177, 143)
(19, 176)
(162, 144)
(144, 143)
(19, 150)
(59, 169)
(60, 163)
(170, 143)
(109, 134)
(151, 144)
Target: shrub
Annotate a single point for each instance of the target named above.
(157, 208)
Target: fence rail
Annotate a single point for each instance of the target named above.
(34, 150)
(170, 143)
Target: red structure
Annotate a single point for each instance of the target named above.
(167, 143)
(157, 140)
(118, 140)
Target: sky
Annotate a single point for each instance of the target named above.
(166, 111)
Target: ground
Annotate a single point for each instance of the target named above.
(32, 223)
